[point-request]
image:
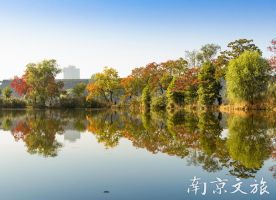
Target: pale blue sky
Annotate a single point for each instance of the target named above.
(124, 34)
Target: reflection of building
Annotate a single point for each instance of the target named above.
(71, 72)
(71, 135)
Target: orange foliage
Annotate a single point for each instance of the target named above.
(127, 84)
(187, 80)
(93, 90)
(19, 85)
(20, 131)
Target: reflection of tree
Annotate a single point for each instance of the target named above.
(156, 138)
(6, 124)
(144, 131)
(41, 138)
(248, 143)
(236, 168)
(38, 128)
(210, 130)
(194, 136)
(106, 127)
(79, 125)
(208, 152)
(273, 170)
(189, 134)
(20, 130)
(38, 131)
(183, 126)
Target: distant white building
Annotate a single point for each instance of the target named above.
(71, 72)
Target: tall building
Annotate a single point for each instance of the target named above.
(71, 72)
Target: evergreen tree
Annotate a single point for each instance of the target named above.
(146, 98)
(173, 96)
(209, 87)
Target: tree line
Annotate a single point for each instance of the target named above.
(207, 78)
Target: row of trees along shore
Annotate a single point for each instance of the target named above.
(236, 78)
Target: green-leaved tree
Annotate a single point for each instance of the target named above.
(209, 87)
(174, 97)
(146, 98)
(79, 90)
(247, 78)
(7, 92)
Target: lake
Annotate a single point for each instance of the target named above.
(102, 155)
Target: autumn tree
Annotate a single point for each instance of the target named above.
(41, 86)
(104, 85)
(152, 74)
(140, 78)
(188, 84)
(170, 69)
(131, 86)
(174, 67)
(38, 132)
(247, 77)
(209, 87)
(19, 85)
(156, 75)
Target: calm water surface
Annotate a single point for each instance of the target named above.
(56, 155)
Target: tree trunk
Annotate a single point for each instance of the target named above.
(111, 96)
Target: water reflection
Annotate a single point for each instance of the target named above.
(195, 137)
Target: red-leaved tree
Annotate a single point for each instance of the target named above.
(190, 78)
(19, 85)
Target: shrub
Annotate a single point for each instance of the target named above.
(96, 104)
(12, 103)
(70, 102)
(77, 102)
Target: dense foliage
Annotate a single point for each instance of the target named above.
(209, 87)
(247, 77)
(104, 85)
(146, 98)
